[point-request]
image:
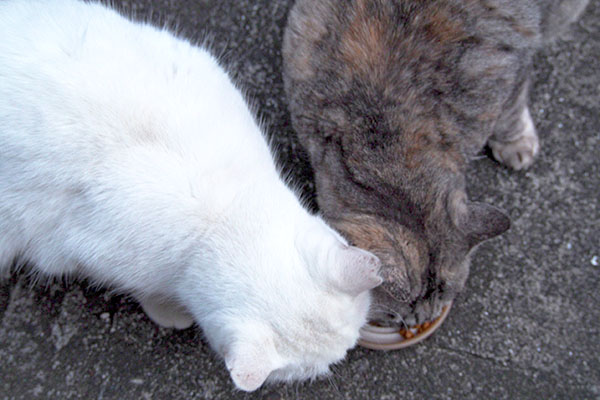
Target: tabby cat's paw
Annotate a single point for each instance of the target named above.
(519, 153)
(167, 315)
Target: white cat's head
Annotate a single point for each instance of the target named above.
(304, 315)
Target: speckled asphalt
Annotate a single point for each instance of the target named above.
(526, 326)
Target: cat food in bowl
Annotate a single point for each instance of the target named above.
(392, 338)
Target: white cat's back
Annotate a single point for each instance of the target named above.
(92, 105)
(143, 87)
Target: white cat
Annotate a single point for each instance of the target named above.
(128, 156)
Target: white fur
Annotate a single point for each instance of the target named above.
(128, 156)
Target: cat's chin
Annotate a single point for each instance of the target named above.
(394, 314)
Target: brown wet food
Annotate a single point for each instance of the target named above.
(415, 330)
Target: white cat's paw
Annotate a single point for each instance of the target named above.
(167, 315)
(519, 153)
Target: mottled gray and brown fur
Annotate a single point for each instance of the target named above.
(391, 98)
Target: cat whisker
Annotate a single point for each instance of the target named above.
(478, 157)
(334, 385)
(383, 308)
(389, 293)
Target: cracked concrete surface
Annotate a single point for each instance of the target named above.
(526, 326)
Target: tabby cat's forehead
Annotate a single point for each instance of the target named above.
(392, 242)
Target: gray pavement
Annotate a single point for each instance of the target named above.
(526, 326)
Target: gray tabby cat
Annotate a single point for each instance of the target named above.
(392, 98)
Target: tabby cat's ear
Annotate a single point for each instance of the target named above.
(482, 222)
(477, 221)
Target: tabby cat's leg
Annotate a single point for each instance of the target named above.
(514, 141)
(167, 314)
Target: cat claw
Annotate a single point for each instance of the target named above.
(520, 153)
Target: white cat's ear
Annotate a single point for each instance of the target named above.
(247, 371)
(355, 270)
(250, 361)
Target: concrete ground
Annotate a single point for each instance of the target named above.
(526, 326)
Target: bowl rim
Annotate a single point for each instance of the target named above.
(389, 338)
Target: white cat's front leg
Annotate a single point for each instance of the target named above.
(167, 313)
